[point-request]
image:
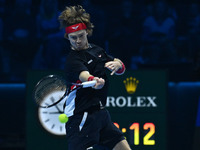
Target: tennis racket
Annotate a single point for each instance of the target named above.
(52, 89)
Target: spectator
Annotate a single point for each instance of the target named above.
(2, 8)
(4, 69)
(20, 41)
(123, 32)
(158, 35)
(2, 57)
(188, 39)
(50, 54)
(193, 30)
(98, 17)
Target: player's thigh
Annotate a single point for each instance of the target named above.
(110, 135)
(122, 145)
(80, 143)
(82, 132)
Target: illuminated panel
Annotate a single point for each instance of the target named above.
(151, 128)
(124, 130)
(135, 128)
(116, 124)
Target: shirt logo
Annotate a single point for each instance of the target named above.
(75, 27)
(90, 61)
(99, 55)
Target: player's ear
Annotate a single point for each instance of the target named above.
(87, 32)
(66, 36)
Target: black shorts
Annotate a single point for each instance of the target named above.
(90, 129)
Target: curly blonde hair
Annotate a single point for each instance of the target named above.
(73, 15)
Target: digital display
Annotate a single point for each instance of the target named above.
(144, 132)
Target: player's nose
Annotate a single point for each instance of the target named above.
(78, 40)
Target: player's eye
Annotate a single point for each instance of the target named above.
(81, 36)
(74, 37)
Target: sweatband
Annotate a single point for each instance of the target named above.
(122, 70)
(75, 27)
(90, 78)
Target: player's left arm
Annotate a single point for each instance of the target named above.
(116, 66)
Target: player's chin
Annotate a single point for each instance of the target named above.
(79, 46)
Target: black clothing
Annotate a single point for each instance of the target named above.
(97, 131)
(89, 122)
(93, 60)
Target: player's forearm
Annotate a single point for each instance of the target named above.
(85, 76)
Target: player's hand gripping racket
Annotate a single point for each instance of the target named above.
(52, 89)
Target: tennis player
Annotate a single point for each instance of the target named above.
(89, 122)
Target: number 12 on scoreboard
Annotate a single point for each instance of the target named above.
(149, 130)
(134, 130)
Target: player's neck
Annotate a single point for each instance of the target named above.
(84, 48)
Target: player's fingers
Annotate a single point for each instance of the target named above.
(102, 80)
(110, 67)
(108, 64)
(99, 80)
(96, 78)
(113, 71)
(99, 84)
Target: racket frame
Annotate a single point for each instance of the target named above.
(67, 91)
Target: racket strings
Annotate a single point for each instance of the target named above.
(48, 86)
(52, 89)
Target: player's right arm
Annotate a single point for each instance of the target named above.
(86, 76)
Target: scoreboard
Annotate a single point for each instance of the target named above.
(137, 104)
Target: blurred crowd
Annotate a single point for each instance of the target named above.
(153, 34)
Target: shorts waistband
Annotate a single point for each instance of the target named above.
(90, 110)
(94, 108)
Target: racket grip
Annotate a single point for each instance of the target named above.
(89, 83)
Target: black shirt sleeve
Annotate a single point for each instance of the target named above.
(73, 68)
(109, 57)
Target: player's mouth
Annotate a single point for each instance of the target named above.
(78, 44)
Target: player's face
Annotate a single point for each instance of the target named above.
(78, 39)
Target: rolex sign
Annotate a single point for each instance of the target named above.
(138, 91)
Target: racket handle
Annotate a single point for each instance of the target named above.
(89, 83)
